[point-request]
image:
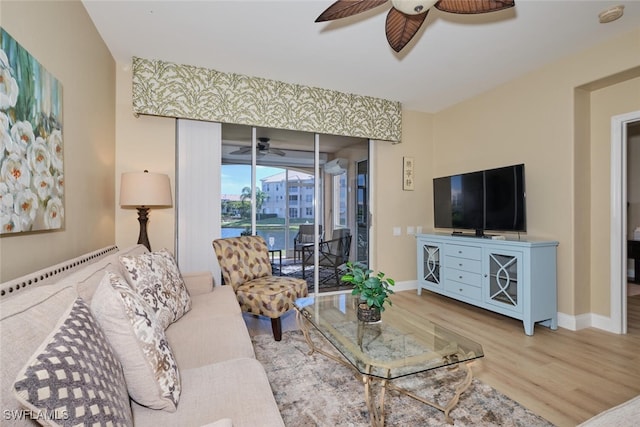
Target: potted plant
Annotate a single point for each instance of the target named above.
(374, 290)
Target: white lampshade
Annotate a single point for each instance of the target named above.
(145, 189)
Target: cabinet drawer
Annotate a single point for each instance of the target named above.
(461, 251)
(465, 277)
(464, 290)
(471, 265)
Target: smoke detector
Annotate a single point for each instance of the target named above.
(611, 14)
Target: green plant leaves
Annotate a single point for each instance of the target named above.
(374, 289)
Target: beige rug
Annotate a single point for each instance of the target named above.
(318, 392)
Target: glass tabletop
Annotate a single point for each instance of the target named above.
(398, 345)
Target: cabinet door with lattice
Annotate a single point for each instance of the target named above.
(504, 276)
(430, 264)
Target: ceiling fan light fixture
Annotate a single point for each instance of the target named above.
(413, 7)
(611, 14)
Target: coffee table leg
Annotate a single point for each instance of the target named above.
(461, 388)
(303, 325)
(376, 411)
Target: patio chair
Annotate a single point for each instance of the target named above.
(246, 266)
(304, 238)
(331, 253)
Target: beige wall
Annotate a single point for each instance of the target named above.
(531, 120)
(61, 36)
(143, 142)
(393, 207)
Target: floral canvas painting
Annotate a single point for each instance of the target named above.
(31, 167)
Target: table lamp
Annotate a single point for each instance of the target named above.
(144, 190)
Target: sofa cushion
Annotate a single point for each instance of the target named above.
(88, 277)
(224, 337)
(74, 378)
(237, 389)
(131, 326)
(225, 422)
(626, 414)
(156, 277)
(27, 319)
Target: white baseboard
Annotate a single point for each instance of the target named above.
(587, 320)
(406, 285)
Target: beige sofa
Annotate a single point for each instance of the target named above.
(627, 414)
(222, 382)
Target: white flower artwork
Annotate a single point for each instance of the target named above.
(31, 143)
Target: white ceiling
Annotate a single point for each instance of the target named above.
(452, 58)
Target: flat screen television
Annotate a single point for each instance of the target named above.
(493, 199)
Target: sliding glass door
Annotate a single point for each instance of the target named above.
(293, 189)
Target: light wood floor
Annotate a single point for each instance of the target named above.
(564, 376)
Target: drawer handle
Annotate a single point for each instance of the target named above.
(459, 252)
(460, 289)
(460, 265)
(459, 277)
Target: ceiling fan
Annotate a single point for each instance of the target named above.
(262, 147)
(406, 16)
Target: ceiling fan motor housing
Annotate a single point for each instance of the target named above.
(413, 7)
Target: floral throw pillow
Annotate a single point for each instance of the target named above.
(156, 277)
(131, 326)
(75, 378)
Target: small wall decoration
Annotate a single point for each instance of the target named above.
(31, 166)
(408, 174)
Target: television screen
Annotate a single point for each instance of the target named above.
(458, 201)
(442, 214)
(492, 199)
(466, 200)
(504, 199)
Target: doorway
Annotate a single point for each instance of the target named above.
(280, 184)
(622, 127)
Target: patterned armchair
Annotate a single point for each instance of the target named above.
(246, 266)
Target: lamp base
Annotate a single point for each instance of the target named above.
(143, 217)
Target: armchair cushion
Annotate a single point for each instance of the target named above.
(270, 296)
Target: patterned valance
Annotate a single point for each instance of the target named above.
(183, 91)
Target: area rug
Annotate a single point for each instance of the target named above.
(326, 279)
(312, 390)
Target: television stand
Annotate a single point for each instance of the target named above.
(516, 278)
(481, 235)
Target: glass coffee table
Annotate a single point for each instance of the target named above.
(400, 345)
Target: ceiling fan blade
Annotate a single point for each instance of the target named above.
(344, 8)
(243, 150)
(277, 152)
(473, 6)
(401, 28)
